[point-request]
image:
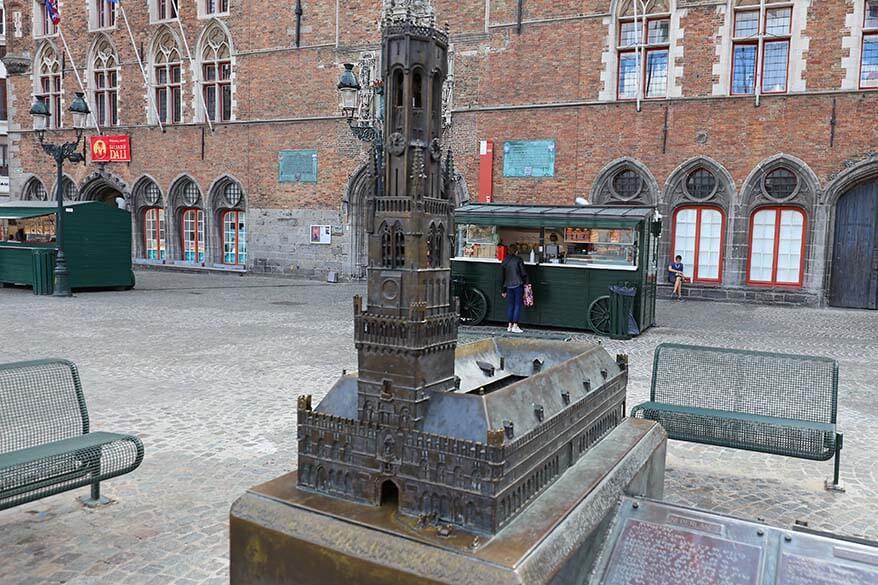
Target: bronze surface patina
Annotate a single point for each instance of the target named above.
(435, 463)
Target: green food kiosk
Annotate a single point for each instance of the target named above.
(97, 245)
(573, 256)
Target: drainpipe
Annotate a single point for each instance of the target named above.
(299, 13)
(760, 47)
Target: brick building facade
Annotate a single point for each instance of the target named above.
(749, 123)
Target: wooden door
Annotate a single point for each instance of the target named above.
(854, 281)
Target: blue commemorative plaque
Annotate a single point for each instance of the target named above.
(529, 158)
(297, 166)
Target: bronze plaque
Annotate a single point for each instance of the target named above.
(798, 570)
(647, 553)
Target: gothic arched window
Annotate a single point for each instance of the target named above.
(440, 238)
(216, 74)
(386, 247)
(398, 90)
(105, 77)
(431, 246)
(398, 246)
(188, 203)
(35, 191)
(48, 86)
(70, 192)
(417, 90)
(168, 78)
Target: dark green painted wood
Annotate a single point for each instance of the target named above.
(97, 246)
(563, 295)
(854, 282)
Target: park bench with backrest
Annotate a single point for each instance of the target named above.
(767, 402)
(46, 445)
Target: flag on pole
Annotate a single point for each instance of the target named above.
(52, 11)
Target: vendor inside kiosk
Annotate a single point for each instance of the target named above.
(573, 257)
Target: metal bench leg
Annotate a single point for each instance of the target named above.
(95, 499)
(836, 485)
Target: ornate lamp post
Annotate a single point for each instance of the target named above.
(349, 101)
(61, 152)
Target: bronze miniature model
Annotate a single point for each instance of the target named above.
(467, 437)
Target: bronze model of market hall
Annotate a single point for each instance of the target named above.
(465, 436)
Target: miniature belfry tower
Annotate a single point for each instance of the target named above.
(407, 335)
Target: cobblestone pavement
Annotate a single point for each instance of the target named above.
(206, 370)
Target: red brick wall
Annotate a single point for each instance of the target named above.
(551, 61)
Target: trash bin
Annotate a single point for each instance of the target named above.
(44, 271)
(622, 322)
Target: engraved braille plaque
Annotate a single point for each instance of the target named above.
(657, 554)
(798, 570)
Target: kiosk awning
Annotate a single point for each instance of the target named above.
(23, 212)
(29, 209)
(555, 216)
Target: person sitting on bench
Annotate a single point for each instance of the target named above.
(676, 276)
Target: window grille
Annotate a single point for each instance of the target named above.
(627, 185)
(869, 59)
(701, 184)
(781, 183)
(761, 47)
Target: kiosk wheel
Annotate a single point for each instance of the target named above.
(473, 306)
(599, 315)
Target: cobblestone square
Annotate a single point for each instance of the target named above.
(206, 370)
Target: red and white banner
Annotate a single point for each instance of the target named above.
(111, 148)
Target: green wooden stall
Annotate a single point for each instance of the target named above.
(573, 255)
(97, 245)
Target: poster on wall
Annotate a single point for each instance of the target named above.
(297, 166)
(529, 158)
(321, 234)
(110, 148)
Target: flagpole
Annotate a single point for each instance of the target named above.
(149, 95)
(196, 75)
(78, 78)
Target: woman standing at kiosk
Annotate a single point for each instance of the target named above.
(514, 278)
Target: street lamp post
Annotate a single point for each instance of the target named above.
(349, 100)
(61, 152)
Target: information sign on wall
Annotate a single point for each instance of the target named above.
(110, 148)
(321, 234)
(297, 166)
(529, 158)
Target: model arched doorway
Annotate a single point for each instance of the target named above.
(854, 281)
(389, 494)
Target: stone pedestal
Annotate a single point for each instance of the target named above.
(282, 535)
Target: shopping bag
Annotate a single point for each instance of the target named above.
(528, 295)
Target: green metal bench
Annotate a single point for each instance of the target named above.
(46, 446)
(767, 402)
